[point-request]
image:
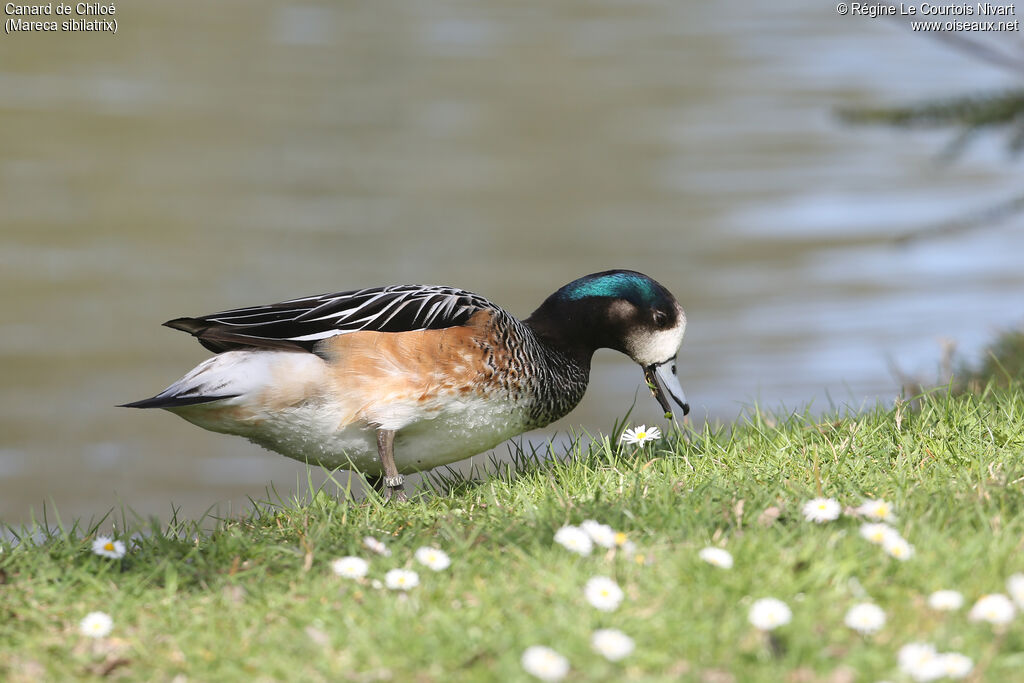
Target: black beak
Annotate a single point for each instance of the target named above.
(661, 379)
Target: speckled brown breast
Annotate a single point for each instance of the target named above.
(492, 356)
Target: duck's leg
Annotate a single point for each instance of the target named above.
(393, 481)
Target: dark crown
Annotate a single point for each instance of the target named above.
(583, 315)
(634, 287)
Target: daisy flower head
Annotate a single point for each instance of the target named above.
(946, 600)
(105, 546)
(401, 579)
(865, 618)
(641, 435)
(612, 644)
(601, 534)
(920, 661)
(376, 546)
(96, 624)
(350, 567)
(994, 608)
(767, 614)
(544, 663)
(719, 557)
(575, 539)
(821, 510)
(898, 547)
(955, 665)
(603, 593)
(876, 509)
(1015, 587)
(877, 532)
(433, 558)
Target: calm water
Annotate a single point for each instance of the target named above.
(213, 155)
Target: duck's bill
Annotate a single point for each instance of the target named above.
(662, 380)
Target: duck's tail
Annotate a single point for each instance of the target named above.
(225, 376)
(162, 400)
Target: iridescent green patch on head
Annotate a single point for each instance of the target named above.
(628, 285)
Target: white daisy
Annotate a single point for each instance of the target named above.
(898, 547)
(401, 579)
(875, 509)
(877, 532)
(929, 670)
(376, 546)
(612, 644)
(603, 593)
(865, 618)
(350, 567)
(719, 557)
(1015, 587)
(108, 547)
(433, 558)
(575, 539)
(627, 546)
(821, 510)
(955, 665)
(912, 653)
(601, 534)
(994, 608)
(544, 663)
(96, 624)
(641, 435)
(946, 600)
(920, 661)
(768, 614)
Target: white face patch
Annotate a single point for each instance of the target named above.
(648, 347)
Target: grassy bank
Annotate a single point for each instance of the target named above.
(257, 599)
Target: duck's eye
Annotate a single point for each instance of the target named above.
(660, 318)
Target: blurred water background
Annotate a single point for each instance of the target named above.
(213, 155)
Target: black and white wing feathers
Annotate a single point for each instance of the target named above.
(299, 324)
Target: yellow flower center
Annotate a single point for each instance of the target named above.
(620, 538)
(108, 546)
(641, 435)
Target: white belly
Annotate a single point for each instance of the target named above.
(440, 433)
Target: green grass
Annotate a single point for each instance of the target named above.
(255, 597)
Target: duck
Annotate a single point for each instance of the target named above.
(387, 381)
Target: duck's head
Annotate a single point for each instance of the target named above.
(622, 310)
